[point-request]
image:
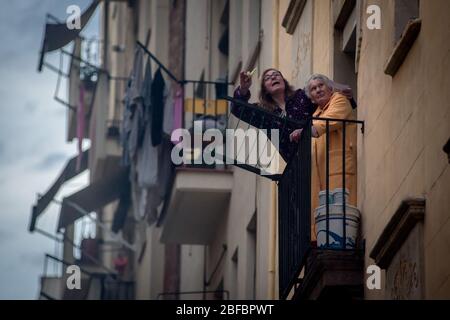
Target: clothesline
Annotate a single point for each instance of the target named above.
(171, 75)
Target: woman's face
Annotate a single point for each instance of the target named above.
(273, 82)
(320, 92)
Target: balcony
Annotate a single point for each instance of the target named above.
(328, 261)
(96, 283)
(198, 201)
(331, 275)
(332, 266)
(103, 131)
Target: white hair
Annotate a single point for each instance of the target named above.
(329, 83)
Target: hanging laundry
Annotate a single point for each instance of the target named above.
(146, 90)
(145, 200)
(157, 107)
(178, 110)
(147, 160)
(125, 130)
(147, 154)
(80, 125)
(121, 212)
(165, 167)
(146, 105)
(133, 116)
(140, 235)
(136, 77)
(150, 200)
(168, 110)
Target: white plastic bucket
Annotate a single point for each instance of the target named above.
(323, 197)
(338, 194)
(336, 221)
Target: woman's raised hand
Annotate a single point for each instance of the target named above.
(245, 82)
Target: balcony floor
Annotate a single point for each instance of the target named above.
(198, 202)
(332, 274)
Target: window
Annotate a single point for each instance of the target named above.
(406, 30)
(447, 149)
(405, 11)
(235, 45)
(293, 14)
(345, 34)
(253, 36)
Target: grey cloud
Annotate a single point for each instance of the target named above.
(50, 161)
(5, 235)
(32, 258)
(32, 139)
(30, 106)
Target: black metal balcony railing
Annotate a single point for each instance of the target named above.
(111, 287)
(294, 208)
(202, 101)
(190, 295)
(113, 128)
(209, 109)
(117, 290)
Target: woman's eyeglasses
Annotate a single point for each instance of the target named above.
(267, 77)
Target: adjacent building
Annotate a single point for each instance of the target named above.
(217, 232)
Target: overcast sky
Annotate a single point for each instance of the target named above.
(33, 147)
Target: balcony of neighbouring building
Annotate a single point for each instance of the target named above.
(94, 283)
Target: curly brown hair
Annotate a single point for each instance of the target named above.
(265, 99)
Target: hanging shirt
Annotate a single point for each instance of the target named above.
(157, 107)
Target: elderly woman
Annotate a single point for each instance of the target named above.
(333, 105)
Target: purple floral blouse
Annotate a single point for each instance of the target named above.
(298, 107)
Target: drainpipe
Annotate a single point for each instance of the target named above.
(205, 280)
(276, 14)
(106, 34)
(273, 242)
(273, 191)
